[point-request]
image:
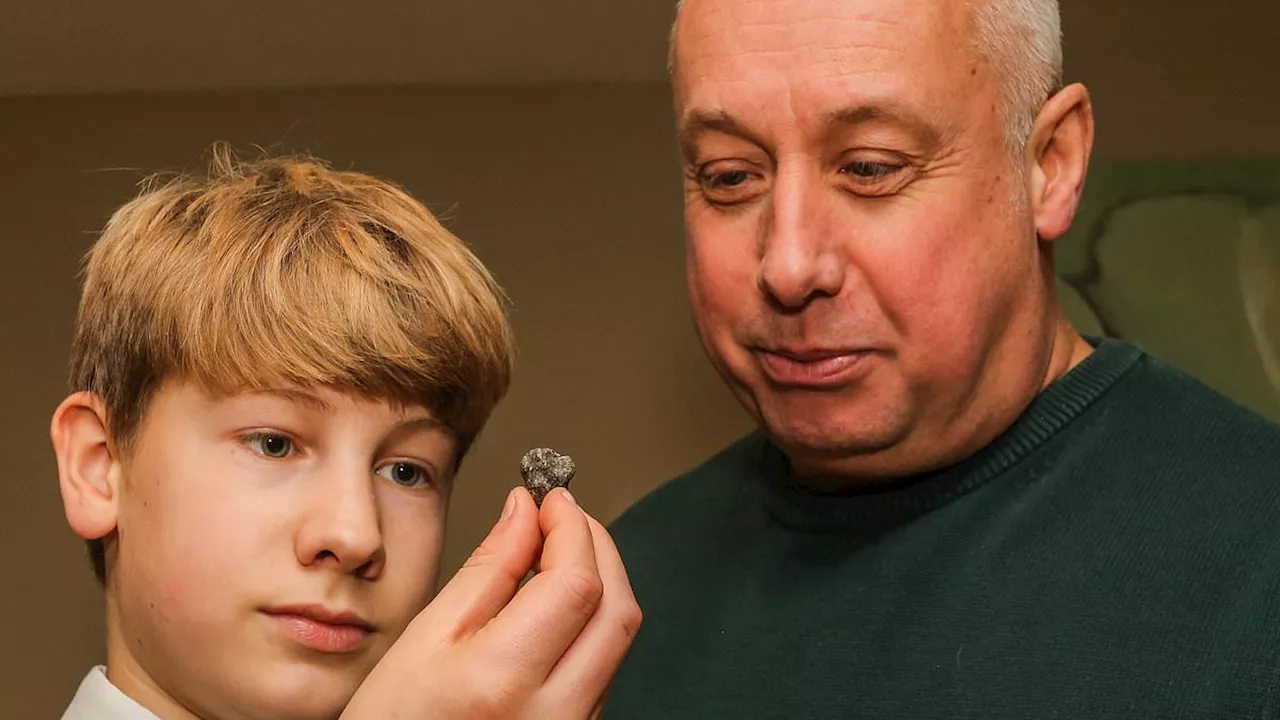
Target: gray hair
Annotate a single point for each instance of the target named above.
(1022, 39)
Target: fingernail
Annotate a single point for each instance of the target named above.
(569, 495)
(509, 509)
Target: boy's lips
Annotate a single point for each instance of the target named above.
(321, 628)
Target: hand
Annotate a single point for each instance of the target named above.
(487, 648)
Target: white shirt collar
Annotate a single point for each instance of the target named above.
(98, 699)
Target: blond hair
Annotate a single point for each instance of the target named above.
(284, 272)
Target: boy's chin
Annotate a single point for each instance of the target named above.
(315, 688)
(319, 705)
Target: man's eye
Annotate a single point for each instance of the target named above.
(721, 185)
(733, 178)
(872, 178)
(272, 445)
(870, 170)
(404, 473)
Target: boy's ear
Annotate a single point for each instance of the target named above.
(88, 469)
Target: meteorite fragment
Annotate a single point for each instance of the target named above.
(544, 470)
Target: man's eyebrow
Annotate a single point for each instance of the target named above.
(695, 122)
(865, 114)
(698, 121)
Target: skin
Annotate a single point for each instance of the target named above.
(228, 506)
(494, 646)
(869, 265)
(227, 509)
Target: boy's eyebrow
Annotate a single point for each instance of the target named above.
(418, 423)
(425, 422)
(300, 397)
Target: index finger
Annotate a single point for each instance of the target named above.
(553, 607)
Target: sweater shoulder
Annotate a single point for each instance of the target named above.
(1186, 417)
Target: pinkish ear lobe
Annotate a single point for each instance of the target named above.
(88, 471)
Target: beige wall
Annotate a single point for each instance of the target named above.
(570, 194)
(1178, 79)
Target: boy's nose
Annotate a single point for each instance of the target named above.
(342, 526)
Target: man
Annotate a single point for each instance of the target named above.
(956, 506)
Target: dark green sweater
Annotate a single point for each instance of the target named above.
(1116, 553)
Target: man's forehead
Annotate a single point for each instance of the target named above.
(823, 59)
(746, 12)
(820, 35)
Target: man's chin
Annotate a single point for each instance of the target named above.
(834, 450)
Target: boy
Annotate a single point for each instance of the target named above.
(276, 371)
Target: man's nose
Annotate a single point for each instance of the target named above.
(800, 254)
(342, 524)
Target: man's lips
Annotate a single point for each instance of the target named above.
(812, 368)
(321, 628)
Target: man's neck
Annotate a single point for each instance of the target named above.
(1069, 350)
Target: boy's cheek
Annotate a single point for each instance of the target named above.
(193, 540)
(185, 560)
(413, 546)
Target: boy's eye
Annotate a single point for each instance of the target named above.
(271, 445)
(404, 473)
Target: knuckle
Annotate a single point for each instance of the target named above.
(481, 556)
(490, 698)
(487, 560)
(630, 619)
(585, 589)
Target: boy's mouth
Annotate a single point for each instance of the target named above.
(320, 628)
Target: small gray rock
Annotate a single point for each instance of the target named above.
(544, 470)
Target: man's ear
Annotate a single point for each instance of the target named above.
(88, 469)
(1058, 156)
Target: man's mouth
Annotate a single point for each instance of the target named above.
(812, 368)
